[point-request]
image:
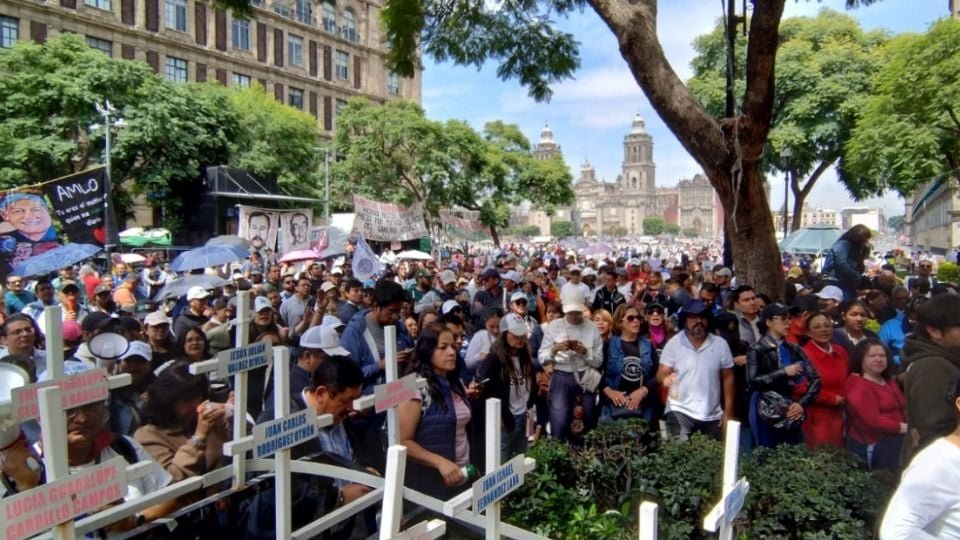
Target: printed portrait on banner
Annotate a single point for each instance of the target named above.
(295, 230)
(259, 226)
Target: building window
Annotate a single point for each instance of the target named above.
(241, 34)
(101, 45)
(282, 7)
(175, 15)
(350, 26)
(295, 98)
(176, 69)
(295, 50)
(339, 106)
(393, 84)
(329, 16)
(241, 80)
(305, 11)
(99, 4)
(343, 65)
(9, 31)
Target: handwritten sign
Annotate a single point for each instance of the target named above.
(394, 393)
(498, 484)
(77, 390)
(46, 506)
(385, 222)
(282, 433)
(253, 356)
(77, 201)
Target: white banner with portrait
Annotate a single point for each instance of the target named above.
(294, 230)
(259, 226)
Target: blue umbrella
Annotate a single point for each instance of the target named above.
(55, 259)
(207, 256)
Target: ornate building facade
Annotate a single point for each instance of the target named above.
(624, 203)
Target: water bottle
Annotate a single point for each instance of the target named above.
(469, 472)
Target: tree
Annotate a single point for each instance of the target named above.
(823, 75)
(671, 228)
(896, 223)
(690, 233)
(653, 225)
(908, 131)
(520, 36)
(616, 230)
(527, 230)
(561, 229)
(393, 152)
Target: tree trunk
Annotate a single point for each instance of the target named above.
(723, 148)
(800, 195)
(495, 235)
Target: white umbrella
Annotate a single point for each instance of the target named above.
(414, 255)
(132, 258)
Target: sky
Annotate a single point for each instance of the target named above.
(590, 114)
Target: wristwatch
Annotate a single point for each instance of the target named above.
(199, 442)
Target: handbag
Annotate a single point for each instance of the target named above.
(772, 408)
(588, 379)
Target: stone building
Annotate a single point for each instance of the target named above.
(634, 195)
(310, 55)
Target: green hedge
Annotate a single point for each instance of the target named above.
(594, 492)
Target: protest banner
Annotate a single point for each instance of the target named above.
(319, 238)
(385, 222)
(36, 219)
(294, 231)
(464, 224)
(259, 226)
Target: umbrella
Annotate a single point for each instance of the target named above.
(601, 248)
(414, 255)
(300, 255)
(330, 253)
(132, 258)
(181, 285)
(228, 240)
(55, 259)
(207, 256)
(814, 239)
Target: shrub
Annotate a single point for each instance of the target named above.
(608, 465)
(948, 272)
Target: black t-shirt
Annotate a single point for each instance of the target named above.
(631, 374)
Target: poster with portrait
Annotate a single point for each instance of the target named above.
(36, 219)
(259, 226)
(319, 240)
(295, 230)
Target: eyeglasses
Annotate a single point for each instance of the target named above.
(90, 409)
(631, 318)
(520, 302)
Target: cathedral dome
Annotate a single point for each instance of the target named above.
(546, 135)
(638, 125)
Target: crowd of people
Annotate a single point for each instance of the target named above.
(852, 357)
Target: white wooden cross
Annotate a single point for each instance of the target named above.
(722, 515)
(648, 521)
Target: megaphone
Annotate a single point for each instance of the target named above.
(108, 347)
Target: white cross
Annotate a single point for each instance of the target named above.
(734, 491)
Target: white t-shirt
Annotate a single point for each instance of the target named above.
(136, 487)
(519, 391)
(697, 389)
(927, 502)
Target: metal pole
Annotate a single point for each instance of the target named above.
(107, 184)
(786, 195)
(326, 186)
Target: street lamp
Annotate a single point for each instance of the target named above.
(110, 120)
(786, 154)
(326, 183)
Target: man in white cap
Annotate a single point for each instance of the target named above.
(317, 344)
(570, 345)
(829, 299)
(196, 312)
(511, 283)
(435, 298)
(722, 276)
(126, 402)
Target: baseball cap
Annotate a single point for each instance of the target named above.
(572, 300)
(513, 276)
(326, 286)
(722, 271)
(197, 293)
(324, 338)
(574, 268)
(68, 284)
(95, 321)
(449, 306)
(129, 309)
(156, 319)
(774, 310)
(101, 289)
(72, 331)
(332, 321)
(587, 272)
(262, 303)
(138, 349)
(447, 277)
(830, 292)
(513, 324)
(517, 296)
(794, 272)
(337, 270)
(424, 272)
(633, 262)
(490, 273)
(696, 307)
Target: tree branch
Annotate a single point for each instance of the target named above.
(762, 46)
(814, 176)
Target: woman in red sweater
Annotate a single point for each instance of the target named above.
(876, 409)
(824, 423)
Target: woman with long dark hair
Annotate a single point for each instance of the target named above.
(507, 373)
(630, 381)
(433, 426)
(853, 316)
(182, 429)
(845, 260)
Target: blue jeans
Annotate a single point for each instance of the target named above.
(513, 442)
(564, 392)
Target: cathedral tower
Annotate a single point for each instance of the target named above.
(638, 167)
(546, 148)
